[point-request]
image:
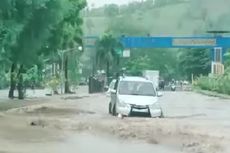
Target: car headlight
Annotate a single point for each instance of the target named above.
(155, 105)
(122, 103)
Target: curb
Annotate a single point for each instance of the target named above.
(211, 94)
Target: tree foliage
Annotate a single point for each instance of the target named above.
(195, 61)
(31, 29)
(108, 52)
(153, 17)
(111, 10)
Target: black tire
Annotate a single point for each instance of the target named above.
(114, 111)
(110, 107)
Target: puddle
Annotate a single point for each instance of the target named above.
(85, 143)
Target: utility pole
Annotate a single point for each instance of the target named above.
(217, 66)
(62, 55)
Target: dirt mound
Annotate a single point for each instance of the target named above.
(58, 111)
(74, 97)
(1, 115)
(49, 111)
(188, 139)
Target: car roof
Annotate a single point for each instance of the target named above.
(137, 79)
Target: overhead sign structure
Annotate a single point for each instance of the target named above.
(193, 42)
(217, 60)
(166, 42)
(90, 41)
(126, 53)
(218, 45)
(175, 42)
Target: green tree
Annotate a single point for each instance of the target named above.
(40, 17)
(89, 25)
(195, 61)
(164, 60)
(108, 52)
(26, 26)
(111, 10)
(68, 35)
(136, 65)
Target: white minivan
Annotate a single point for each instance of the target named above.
(135, 94)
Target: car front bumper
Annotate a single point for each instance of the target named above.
(128, 110)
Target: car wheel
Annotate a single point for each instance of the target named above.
(114, 111)
(110, 107)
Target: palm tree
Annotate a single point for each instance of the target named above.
(106, 52)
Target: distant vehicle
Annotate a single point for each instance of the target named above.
(83, 82)
(135, 95)
(111, 87)
(152, 75)
(162, 85)
(185, 82)
(173, 87)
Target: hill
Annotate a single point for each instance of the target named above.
(178, 18)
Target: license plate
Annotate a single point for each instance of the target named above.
(139, 107)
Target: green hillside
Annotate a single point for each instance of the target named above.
(159, 21)
(171, 18)
(182, 18)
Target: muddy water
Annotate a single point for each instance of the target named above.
(85, 143)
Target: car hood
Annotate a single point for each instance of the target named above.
(138, 100)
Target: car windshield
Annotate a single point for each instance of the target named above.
(136, 88)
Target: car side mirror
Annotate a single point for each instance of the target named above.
(159, 94)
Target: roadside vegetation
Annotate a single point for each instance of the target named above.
(152, 19)
(220, 84)
(41, 42)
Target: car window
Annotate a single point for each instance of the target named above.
(136, 88)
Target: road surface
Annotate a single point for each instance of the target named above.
(80, 123)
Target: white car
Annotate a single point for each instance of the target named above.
(135, 94)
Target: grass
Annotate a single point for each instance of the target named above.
(211, 93)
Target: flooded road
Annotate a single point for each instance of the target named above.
(85, 143)
(81, 144)
(81, 123)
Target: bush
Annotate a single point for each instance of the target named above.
(4, 82)
(53, 83)
(220, 84)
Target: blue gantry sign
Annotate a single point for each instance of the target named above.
(209, 42)
(175, 42)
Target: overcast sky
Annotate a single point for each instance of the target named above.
(98, 3)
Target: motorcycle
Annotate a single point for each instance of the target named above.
(173, 87)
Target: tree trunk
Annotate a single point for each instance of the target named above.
(21, 89)
(67, 89)
(53, 69)
(12, 81)
(107, 70)
(118, 64)
(54, 74)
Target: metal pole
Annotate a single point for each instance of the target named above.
(62, 72)
(62, 66)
